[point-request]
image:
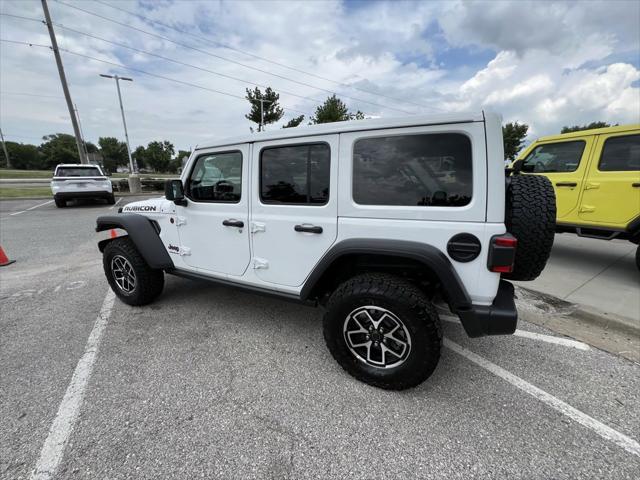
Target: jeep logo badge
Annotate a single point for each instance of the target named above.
(173, 249)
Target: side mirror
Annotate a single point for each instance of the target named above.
(173, 190)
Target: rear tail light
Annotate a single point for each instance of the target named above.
(502, 253)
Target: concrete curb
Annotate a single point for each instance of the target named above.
(50, 197)
(546, 304)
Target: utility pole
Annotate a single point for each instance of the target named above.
(84, 143)
(63, 80)
(262, 102)
(4, 148)
(134, 180)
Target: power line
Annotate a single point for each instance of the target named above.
(143, 72)
(29, 94)
(253, 55)
(178, 62)
(190, 47)
(39, 20)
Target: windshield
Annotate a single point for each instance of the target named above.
(78, 172)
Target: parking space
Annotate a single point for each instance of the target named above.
(210, 382)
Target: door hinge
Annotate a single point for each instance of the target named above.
(181, 221)
(587, 209)
(591, 186)
(259, 263)
(185, 251)
(257, 227)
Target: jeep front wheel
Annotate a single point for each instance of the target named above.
(383, 331)
(129, 276)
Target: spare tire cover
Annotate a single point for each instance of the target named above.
(530, 217)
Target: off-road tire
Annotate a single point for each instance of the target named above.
(111, 199)
(149, 281)
(60, 203)
(530, 217)
(404, 300)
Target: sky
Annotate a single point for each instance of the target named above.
(547, 64)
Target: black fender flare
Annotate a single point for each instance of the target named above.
(430, 256)
(143, 234)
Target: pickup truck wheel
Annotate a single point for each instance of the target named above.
(531, 218)
(111, 199)
(383, 331)
(60, 203)
(129, 276)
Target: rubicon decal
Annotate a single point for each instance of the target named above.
(173, 249)
(140, 208)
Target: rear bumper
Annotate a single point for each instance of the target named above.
(500, 318)
(71, 195)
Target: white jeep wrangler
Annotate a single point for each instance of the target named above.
(371, 219)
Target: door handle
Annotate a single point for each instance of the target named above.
(636, 185)
(566, 184)
(233, 223)
(308, 229)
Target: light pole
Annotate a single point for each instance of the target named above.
(262, 102)
(134, 180)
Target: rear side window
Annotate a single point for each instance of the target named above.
(78, 172)
(413, 170)
(554, 157)
(620, 154)
(296, 174)
(216, 177)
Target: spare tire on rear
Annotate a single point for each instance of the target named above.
(531, 218)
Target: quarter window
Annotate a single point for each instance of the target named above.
(216, 177)
(620, 154)
(554, 157)
(295, 174)
(413, 170)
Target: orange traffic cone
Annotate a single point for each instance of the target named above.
(4, 260)
(113, 233)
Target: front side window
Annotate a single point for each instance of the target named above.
(620, 154)
(554, 157)
(413, 170)
(297, 174)
(216, 177)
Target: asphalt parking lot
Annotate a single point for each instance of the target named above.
(208, 382)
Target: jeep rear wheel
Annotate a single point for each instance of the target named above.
(531, 218)
(129, 276)
(383, 331)
(60, 203)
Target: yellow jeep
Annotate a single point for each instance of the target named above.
(596, 178)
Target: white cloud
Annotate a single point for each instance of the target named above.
(539, 75)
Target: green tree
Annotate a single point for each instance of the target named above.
(578, 128)
(158, 155)
(114, 153)
(140, 157)
(23, 156)
(513, 135)
(334, 110)
(294, 122)
(59, 148)
(272, 110)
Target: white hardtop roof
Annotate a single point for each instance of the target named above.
(348, 126)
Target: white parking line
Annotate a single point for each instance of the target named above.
(606, 432)
(31, 208)
(117, 202)
(565, 342)
(42, 204)
(64, 421)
